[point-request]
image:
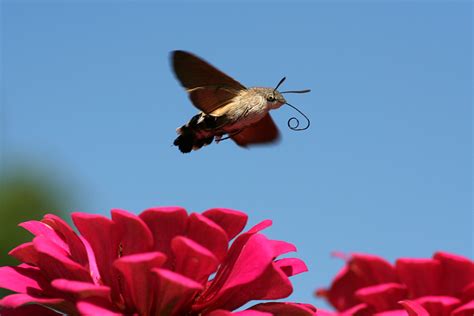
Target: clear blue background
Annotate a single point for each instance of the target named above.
(87, 91)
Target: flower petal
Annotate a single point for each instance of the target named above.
(97, 230)
(81, 289)
(193, 260)
(133, 234)
(282, 247)
(38, 228)
(21, 279)
(468, 292)
(97, 307)
(165, 223)
(414, 309)
(358, 310)
(208, 234)
(285, 309)
(221, 312)
(372, 270)
(174, 292)
(396, 312)
(25, 253)
(66, 233)
(291, 266)
(361, 271)
(16, 300)
(138, 285)
(233, 222)
(248, 273)
(421, 276)
(28, 310)
(55, 263)
(209, 296)
(464, 310)
(438, 305)
(457, 273)
(382, 297)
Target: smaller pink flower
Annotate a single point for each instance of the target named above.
(369, 285)
(162, 262)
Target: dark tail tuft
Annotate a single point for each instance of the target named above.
(189, 140)
(191, 135)
(185, 141)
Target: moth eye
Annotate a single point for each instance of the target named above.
(271, 99)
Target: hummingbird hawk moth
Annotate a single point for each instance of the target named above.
(226, 107)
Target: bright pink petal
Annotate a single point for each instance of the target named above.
(421, 276)
(372, 270)
(438, 305)
(16, 300)
(456, 273)
(249, 274)
(67, 234)
(208, 234)
(341, 292)
(25, 253)
(358, 310)
(286, 309)
(98, 231)
(125, 234)
(414, 309)
(174, 293)
(165, 223)
(38, 228)
(281, 247)
(464, 310)
(21, 279)
(29, 310)
(233, 222)
(468, 293)
(221, 312)
(138, 285)
(291, 266)
(81, 289)
(97, 307)
(209, 296)
(193, 260)
(321, 312)
(396, 312)
(93, 268)
(132, 233)
(259, 227)
(55, 263)
(361, 271)
(382, 297)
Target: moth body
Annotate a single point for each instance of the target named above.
(247, 108)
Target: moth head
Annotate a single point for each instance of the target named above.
(274, 98)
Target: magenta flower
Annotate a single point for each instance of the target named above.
(162, 262)
(369, 285)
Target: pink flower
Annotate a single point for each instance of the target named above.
(162, 262)
(369, 285)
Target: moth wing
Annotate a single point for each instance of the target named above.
(264, 131)
(208, 87)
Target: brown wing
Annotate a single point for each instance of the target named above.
(264, 131)
(208, 87)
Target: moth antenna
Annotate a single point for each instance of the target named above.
(296, 125)
(297, 91)
(279, 84)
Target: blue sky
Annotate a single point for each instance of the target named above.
(88, 93)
